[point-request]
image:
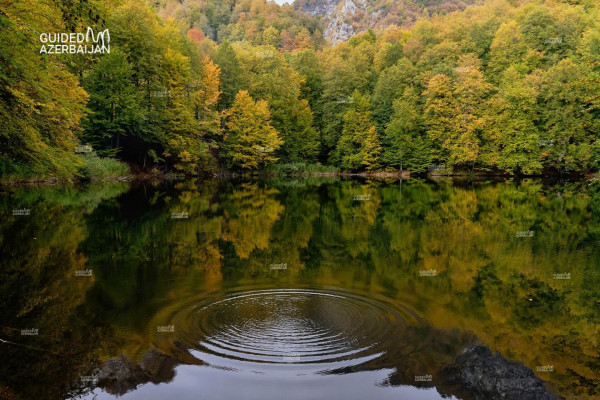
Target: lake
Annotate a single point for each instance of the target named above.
(308, 288)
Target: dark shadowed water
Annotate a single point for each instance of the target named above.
(301, 289)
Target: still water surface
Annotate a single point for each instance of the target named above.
(301, 289)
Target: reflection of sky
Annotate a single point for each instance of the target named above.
(206, 383)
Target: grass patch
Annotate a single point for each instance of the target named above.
(100, 168)
(299, 168)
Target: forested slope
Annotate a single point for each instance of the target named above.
(507, 87)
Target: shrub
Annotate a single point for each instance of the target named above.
(98, 168)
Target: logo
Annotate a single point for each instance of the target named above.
(563, 275)
(545, 368)
(24, 211)
(423, 378)
(523, 234)
(165, 328)
(180, 215)
(76, 43)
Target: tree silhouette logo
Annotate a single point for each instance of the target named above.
(76, 42)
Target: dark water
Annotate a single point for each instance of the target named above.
(301, 289)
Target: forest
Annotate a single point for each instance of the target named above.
(508, 87)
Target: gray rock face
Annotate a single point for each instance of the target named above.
(344, 18)
(323, 7)
(338, 16)
(487, 376)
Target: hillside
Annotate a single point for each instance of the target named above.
(255, 21)
(343, 19)
(306, 21)
(198, 86)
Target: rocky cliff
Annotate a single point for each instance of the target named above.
(345, 18)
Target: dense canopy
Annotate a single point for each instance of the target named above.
(504, 86)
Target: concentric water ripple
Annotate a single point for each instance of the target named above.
(289, 326)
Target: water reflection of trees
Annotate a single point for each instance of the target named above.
(490, 280)
(41, 292)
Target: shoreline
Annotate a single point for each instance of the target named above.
(57, 181)
(404, 175)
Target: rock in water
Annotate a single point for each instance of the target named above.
(487, 376)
